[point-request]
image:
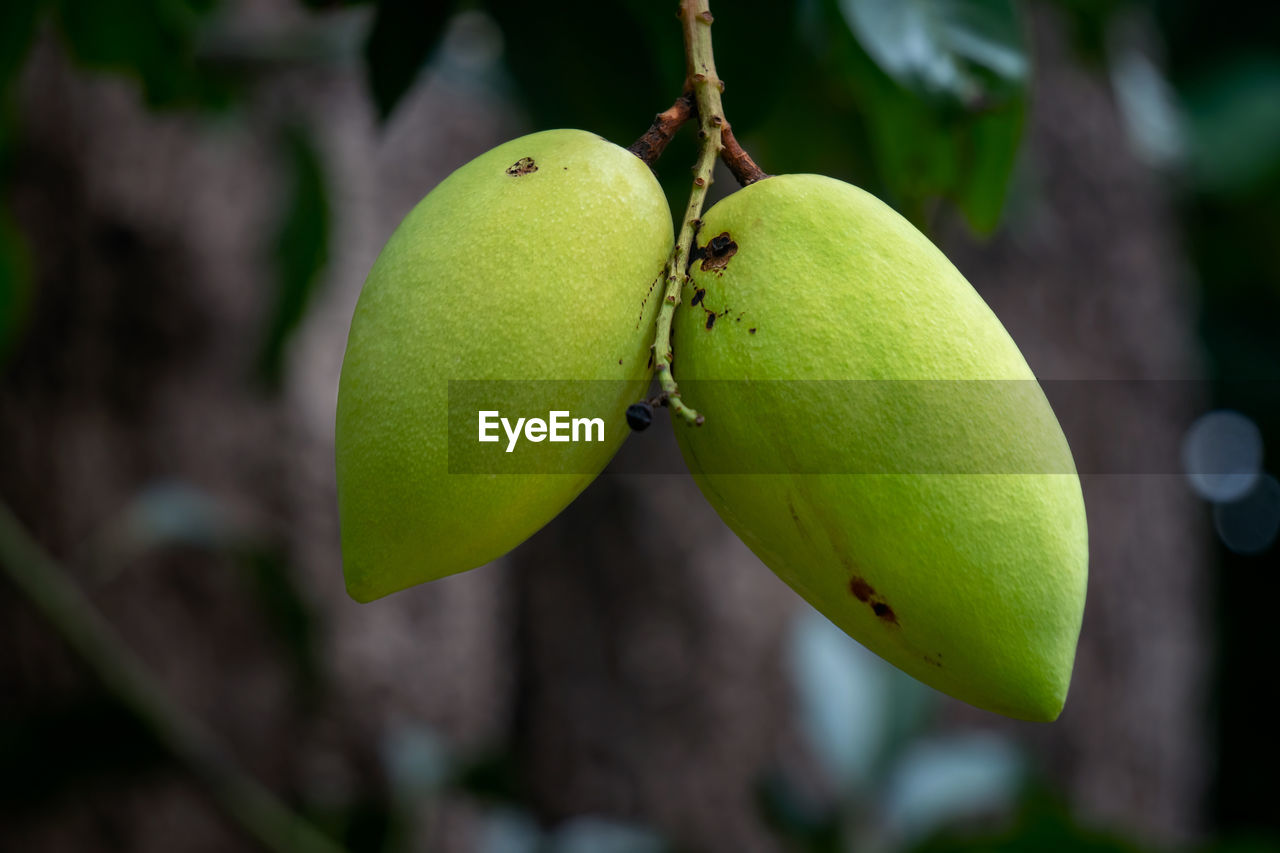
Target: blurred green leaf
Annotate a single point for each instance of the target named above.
(18, 19)
(1090, 22)
(924, 148)
(495, 776)
(1044, 826)
(289, 616)
(965, 49)
(369, 825)
(987, 146)
(404, 34)
(1234, 118)
(153, 41)
(796, 816)
(302, 249)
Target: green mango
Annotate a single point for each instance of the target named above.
(876, 438)
(533, 272)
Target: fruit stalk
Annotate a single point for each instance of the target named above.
(744, 169)
(665, 124)
(695, 17)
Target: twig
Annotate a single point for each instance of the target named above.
(650, 146)
(695, 17)
(56, 597)
(744, 169)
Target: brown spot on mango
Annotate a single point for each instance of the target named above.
(523, 166)
(867, 594)
(716, 254)
(861, 589)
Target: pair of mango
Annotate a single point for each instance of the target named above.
(872, 432)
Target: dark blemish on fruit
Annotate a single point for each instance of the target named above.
(644, 303)
(718, 251)
(697, 297)
(751, 331)
(711, 320)
(619, 361)
(932, 661)
(861, 589)
(884, 611)
(650, 364)
(795, 517)
(866, 593)
(523, 166)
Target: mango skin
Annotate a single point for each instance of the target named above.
(502, 272)
(970, 577)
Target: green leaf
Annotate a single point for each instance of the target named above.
(922, 148)
(289, 616)
(988, 151)
(153, 41)
(404, 34)
(1089, 22)
(1044, 826)
(18, 19)
(795, 815)
(965, 49)
(301, 252)
(1234, 118)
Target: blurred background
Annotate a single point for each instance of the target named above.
(193, 191)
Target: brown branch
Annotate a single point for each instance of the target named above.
(744, 169)
(665, 124)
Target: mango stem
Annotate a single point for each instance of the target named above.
(701, 78)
